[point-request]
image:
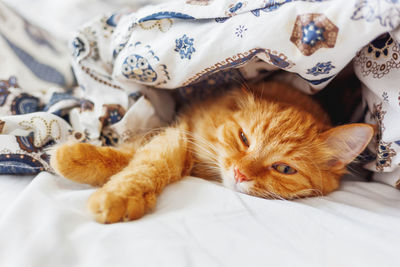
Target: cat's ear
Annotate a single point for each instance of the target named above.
(346, 142)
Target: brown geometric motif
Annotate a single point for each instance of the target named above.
(312, 32)
(397, 185)
(379, 60)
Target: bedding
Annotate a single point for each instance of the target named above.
(44, 221)
(199, 223)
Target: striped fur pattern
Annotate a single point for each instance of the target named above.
(268, 141)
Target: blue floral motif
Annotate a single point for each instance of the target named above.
(387, 12)
(312, 34)
(138, 68)
(321, 68)
(184, 46)
(240, 31)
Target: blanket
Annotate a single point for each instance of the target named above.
(121, 61)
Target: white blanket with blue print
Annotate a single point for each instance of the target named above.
(195, 46)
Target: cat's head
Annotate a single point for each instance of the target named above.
(279, 150)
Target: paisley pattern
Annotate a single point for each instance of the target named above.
(20, 164)
(24, 103)
(26, 143)
(138, 68)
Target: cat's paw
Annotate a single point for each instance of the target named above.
(110, 207)
(87, 163)
(73, 161)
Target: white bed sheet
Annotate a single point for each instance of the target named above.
(199, 223)
(10, 188)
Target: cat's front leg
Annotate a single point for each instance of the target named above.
(132, 192)
(87, 163)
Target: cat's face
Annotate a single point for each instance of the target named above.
(276, 151)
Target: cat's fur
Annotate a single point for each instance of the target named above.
(244, 138)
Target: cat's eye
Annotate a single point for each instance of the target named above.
(244, 139)
(284, 168)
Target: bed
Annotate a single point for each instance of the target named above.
(44, 220)
(198, 223)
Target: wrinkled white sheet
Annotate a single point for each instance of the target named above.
(10, 188)
(199, 223)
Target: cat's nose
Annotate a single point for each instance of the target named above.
(240, 177)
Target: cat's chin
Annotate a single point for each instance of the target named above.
(228, 181)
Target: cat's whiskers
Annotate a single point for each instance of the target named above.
(199, 150)
(196, 139)
(266, 193)
(301, 193)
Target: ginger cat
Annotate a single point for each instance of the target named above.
(274, 142)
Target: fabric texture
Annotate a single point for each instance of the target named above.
(196, 45)
(199, 223)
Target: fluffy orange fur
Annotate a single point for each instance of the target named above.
(272, 142)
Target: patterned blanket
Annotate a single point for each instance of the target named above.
(120, 62)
